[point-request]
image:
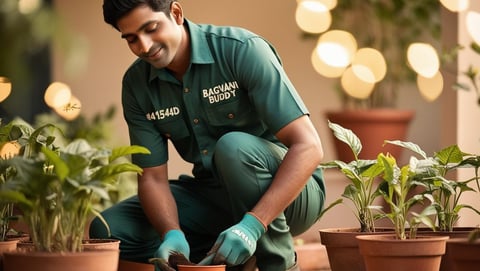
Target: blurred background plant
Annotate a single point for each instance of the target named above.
(29, 30)
(374, 37)
(472, 74)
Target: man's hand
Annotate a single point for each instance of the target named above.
(237, 244)
(173, 242)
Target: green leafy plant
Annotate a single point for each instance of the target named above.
(11, 135)
(446, 192)
(396, 189)
(422, 181)
(363, 175)
(54, 186)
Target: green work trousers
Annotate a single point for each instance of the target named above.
(244, 166)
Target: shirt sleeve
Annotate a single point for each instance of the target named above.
(142, 131)
(260, 71)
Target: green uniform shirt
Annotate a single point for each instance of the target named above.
(235, 83)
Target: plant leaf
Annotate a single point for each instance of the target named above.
(348, 137)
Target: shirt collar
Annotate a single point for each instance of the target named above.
(201, 53)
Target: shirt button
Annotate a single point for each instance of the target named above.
(186, 90)
(205, 152)
(231, 116)
(196, 121)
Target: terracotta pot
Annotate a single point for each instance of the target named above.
(201, 267)
(134, 266)
(447, 263)
(464, 254)
(88, 245)
(372, 127)
(6, 246)
(342, 247)
(101, 244)
(385, 252)
(101, 260)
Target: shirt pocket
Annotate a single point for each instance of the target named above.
(173, 128)
(235, 115)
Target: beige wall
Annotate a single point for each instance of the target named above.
(97, 84)
(468, 117)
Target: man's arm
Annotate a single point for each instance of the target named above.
(157, 200)
(303, 156)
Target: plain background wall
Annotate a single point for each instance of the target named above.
(97, 82)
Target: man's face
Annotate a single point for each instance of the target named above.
(151, 35)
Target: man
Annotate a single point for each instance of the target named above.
(221, 96)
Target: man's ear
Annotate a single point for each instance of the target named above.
(176, 12)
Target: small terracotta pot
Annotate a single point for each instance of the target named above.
(182, 267)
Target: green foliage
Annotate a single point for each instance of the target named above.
(55, 186)
(363, 174)
(423, 182)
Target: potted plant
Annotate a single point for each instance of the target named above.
(54, 187)
(388, 27)
(442, 194)
(10, 133)
(362, 192)
(429, 173)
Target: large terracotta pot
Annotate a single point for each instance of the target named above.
(342, 247)
(385, 252)
(372, 127)
(101, 260)
(464, 254)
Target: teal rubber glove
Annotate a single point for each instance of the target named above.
(173, 242)
(236, 244)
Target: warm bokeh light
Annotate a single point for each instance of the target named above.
(423, 59)
(430, 88)
(5, 88)
(473, 25)
(71, 110)
(57, 94)
(322, 68)
(313, 16)
(329, 4)
(455, 5)
(354, 86)
(373, 60)
(9, 149)
(28, 6)
(336, 48)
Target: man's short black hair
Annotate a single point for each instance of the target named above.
(113, 10)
